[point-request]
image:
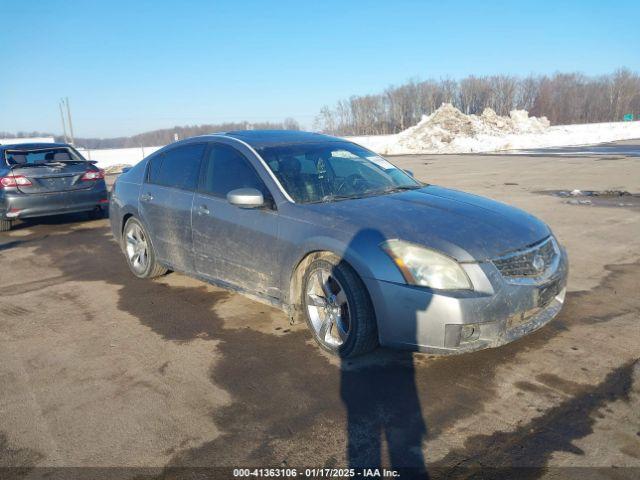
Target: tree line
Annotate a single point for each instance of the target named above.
(162, 136)
(564, 98)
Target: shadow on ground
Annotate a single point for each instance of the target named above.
(288, 399)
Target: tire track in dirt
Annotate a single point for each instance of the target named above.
(16, 462)
(530, 447)
(287, 406)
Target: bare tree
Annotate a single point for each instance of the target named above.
(527, 92)
(474, 94)
(562, 98)
(291, 124)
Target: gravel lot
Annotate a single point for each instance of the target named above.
(100, 369)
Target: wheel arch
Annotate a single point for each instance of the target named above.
(130, 213)
(118, 222)
(294, 290)
(125, 217)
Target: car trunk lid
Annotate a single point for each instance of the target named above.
(52, 177)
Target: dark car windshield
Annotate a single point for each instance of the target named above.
(42, 155)
(329, 171)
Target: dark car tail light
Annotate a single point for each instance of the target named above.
(14, 181)
(91, 175)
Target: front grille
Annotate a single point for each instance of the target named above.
(528, 263)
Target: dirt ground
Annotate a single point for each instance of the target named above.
(100, 369)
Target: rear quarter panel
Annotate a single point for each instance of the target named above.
(125, 197)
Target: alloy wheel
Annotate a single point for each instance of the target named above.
(137, 248)
(328, 308)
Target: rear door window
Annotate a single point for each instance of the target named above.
(178, 167)
(154, 168)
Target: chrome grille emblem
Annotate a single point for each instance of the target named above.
(530, 262)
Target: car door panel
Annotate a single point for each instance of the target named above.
(167, 212)
(166, 200)
(233, 244)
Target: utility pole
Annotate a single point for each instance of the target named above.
(69, 117)
(64, 127)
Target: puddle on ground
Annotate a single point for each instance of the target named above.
(597, 198)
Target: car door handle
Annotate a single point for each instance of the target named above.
(202, 210)
(146, 197)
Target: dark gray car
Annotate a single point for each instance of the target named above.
(336, 235)
(41, 179)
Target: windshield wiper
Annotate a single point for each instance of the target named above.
(399, 188)
(333, 198)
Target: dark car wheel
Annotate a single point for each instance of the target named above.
(338, 309)
(5, 225)
(96, 214)
(139, 251)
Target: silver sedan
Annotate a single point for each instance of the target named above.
(342, 239)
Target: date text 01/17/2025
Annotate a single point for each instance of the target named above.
(315, 473)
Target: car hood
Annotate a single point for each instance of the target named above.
(464, 226)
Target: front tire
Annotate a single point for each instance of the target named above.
(5, 225)
(337, 308)
(139, 251)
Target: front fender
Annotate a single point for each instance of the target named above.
(361, 251)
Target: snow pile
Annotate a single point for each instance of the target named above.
(448, 130)
(523, 123)
(116, 168)
(114, 159)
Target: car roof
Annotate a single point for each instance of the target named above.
(32, 146)
(264, 138)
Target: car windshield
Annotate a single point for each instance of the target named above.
(331, 171)
(41, 156)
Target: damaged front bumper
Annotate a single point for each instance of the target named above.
(498, 311)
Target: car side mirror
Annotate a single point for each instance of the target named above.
(409, 172)
(245, 198)
(125, 169)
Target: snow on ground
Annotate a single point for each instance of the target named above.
(109, 159)
(448, 130)
(13, 141)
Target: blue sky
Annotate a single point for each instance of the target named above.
(130, 66)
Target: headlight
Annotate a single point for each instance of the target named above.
(425, 267)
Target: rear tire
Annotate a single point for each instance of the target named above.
(139, 251)
(96, 214)
(5, 225)
(333, 294)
